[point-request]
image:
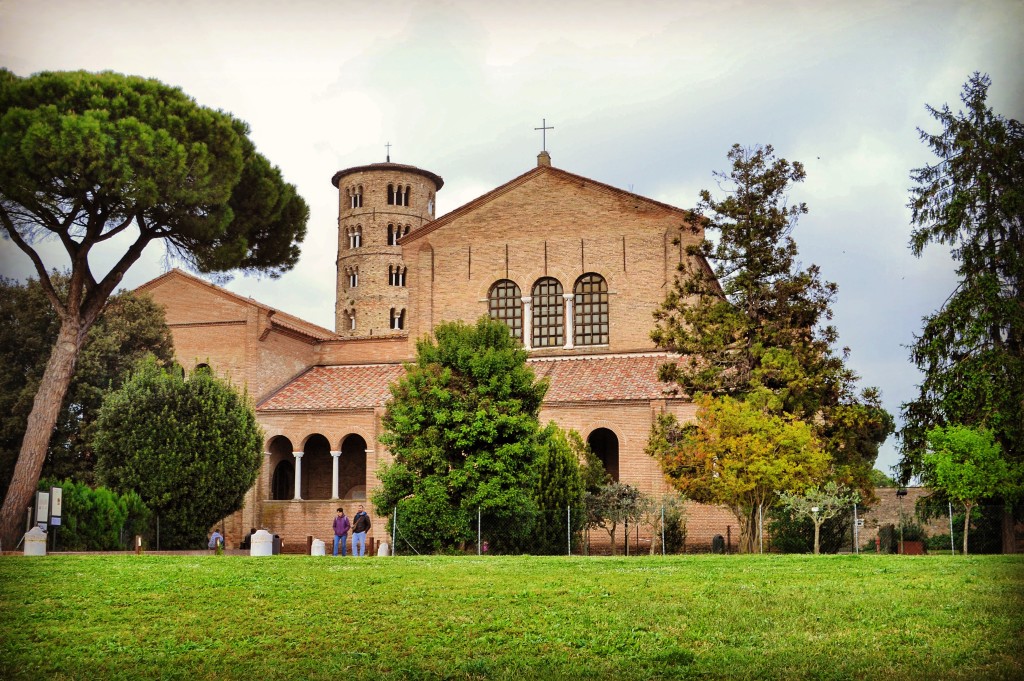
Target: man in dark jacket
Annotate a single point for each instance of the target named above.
(341, 525)
(360, 525)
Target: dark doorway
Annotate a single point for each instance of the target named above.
(605, 444)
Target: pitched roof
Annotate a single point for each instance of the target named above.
(523, 179)
(330, 388)
(282, 321)
(607, 378)
(602, 378)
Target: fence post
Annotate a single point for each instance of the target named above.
(663, 530)
(856, 533)
(627, 535)
(568, 529)
(479, 532)
(394, 533)
(952, 544)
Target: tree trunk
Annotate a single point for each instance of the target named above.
(41, 420)
(967, 524)
(817, 536)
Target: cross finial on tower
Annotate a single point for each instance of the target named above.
(544, 127)
(388, 145)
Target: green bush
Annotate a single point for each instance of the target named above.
(97, 519)
(791, 534)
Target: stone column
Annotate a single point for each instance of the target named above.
(334, 474)
(570, 331)
(527, 321)
(298, 475)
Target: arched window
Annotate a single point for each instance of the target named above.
(590, 310)
(351, 317)
(353, 277)
(405, 198)
(392, 235)
(396, 275)
(391, 194)
(355, 236)
(352, 468)
(359, 196)
(548, 314)
(504, 302)
(282, 480)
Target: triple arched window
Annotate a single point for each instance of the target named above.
(396, 232)
(398, 195)
(553, 318)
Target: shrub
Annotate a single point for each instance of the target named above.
(97, 519)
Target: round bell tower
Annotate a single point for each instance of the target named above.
(378, 204)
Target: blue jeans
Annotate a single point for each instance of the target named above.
(342, 537)
(358, 543)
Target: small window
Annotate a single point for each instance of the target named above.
(350, 317)
(393, 234)
(391, 194)
(355, 237)
(397, 319)
(396, 275)
(548, 314)
(405, 198)
(353, 277)
(504, 302)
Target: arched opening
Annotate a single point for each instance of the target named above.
(505, 302)
(352, 468)
(605, 445)
(317, 468)
(282, 479)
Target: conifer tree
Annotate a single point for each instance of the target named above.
(190, 447)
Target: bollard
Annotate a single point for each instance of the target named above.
(35, 542)
(138, 545)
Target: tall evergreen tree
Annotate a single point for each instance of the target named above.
(87, 157)
(972, 349)
(755, 326)
(190, 447)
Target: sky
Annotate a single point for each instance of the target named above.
(646, 96)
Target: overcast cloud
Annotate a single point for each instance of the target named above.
(644, 96)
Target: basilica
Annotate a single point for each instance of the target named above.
(573, 266)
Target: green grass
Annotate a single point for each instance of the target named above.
(753, 617)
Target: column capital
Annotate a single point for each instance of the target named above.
(298, 455)
(335, 453)
(568, 296)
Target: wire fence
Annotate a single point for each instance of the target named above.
(566, 531)
(663, 530)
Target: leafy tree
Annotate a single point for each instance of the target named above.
(967, 465)
(972, 349)
(130, 327)
(737, 455)
(670, 512)
(819, 504)
(559, 493)
(754, 327)
(463, 429)
(87, 157)
(616, 503)
(880, 479)
(592, 471)
(97, 519)
(191, 448)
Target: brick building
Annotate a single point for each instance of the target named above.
(573, 266)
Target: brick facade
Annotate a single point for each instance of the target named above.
(319, 391)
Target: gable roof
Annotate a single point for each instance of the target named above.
(280, 321)
(595, 378)
(528, 176)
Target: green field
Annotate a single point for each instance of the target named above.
(753, 617)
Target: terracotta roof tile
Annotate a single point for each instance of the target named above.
(329, 388)
(577, 379)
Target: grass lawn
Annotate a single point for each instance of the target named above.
(752, 617)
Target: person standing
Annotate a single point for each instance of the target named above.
(341, 527)
(360, 525)
(216, 539)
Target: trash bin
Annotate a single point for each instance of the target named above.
(35, 542)
(277, 545)
(318, 548)
(262, 544)
(718, 544)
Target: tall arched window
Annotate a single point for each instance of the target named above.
(504, 302)
(548, 314)
(590, 310)
(391, 194)
(397, 319)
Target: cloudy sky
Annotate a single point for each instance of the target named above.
(647, 96)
